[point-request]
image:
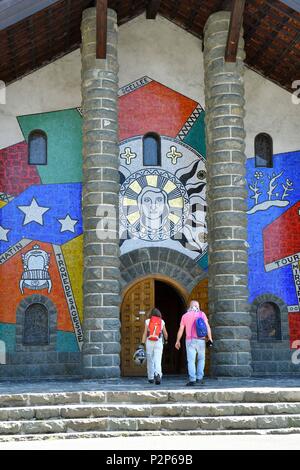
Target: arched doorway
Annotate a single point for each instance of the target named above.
(139, 298)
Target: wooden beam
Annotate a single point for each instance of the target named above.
(225, 5)
(236, 22)
(152, 9)
(101, 29)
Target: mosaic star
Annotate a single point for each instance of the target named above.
(3, 234)
(33, 213)
(67, 224)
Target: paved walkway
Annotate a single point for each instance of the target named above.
(140, 383)
(177, 443)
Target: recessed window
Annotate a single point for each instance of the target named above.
(37, 143)
(268, 322)
(263, 150)
(36, 325)
(151, 149)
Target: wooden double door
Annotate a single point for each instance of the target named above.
(136, 306)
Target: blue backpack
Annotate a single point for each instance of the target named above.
(201, 328)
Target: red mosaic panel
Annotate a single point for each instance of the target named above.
(282, 237)
(15, 173)
(153, 108)
(294, 324)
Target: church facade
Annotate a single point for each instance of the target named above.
(151, 178)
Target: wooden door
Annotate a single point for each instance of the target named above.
(200, 293)
(137, 303)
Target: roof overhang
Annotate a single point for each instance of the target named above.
(13, 11)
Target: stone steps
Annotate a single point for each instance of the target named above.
(186, 410)
(149, 424)
(197, 395)
(107, 413)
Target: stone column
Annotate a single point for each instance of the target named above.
(226, 196)
(101, 281)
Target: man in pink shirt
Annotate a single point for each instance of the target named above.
(195, 346)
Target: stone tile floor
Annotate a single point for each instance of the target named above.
(141, 383)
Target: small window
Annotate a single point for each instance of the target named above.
(268, 322)
(37, 143)
(36, 325)
(263, 150)
(151, 149)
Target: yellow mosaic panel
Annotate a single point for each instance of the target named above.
(73, 254)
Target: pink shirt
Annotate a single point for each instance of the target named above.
(188, 321)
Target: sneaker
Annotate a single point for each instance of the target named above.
(157, 379)
(151, 381)
(200, 381)
(191, 384)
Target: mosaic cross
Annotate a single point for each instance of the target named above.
(128, 155)
(174, 154)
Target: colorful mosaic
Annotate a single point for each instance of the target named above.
(274, 233)
(41, 227)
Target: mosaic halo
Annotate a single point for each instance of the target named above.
(155, 183)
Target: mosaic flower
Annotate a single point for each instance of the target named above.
(258, 175)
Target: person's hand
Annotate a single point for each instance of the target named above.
(177, 345)
(209, 343)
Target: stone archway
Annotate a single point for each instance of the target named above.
(164, 261)
(140, 270)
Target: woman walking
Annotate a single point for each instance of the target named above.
(154, 332)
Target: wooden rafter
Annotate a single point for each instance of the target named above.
(193, 13)
(225, 5)
(101, 29)
(152, 9)
(283, 54)
(236, 22)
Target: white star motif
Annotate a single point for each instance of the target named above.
(67, 224)
(33, 213)
(3, 234)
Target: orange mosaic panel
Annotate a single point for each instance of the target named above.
(10, 294)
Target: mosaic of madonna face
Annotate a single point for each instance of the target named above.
(163, 205)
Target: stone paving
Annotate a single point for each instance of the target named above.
(141, 383)
(171, 442)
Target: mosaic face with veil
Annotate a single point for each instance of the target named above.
(153, 207)
(154, 204)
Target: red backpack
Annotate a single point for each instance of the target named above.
(154, 328)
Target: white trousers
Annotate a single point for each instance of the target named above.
(154, 350)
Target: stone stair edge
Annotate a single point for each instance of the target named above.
(154, 406)
(214, 424)
(281, 393)
(134, 418)
(102, 404)
(108, 434)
